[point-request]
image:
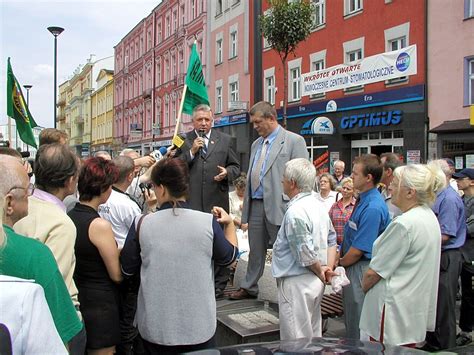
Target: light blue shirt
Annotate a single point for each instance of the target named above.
(258, 194)
(304, 237)
(449, 209)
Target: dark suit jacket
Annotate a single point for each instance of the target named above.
(204, 191)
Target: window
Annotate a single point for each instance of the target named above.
(319, 15)
(193, 9)
(181, 61)
(354, 56)
(173, 66)
(397, 43)
(397, 38)
(295, 84)
(183, 13)
(234, 91)
(315, 66)
(468, 8)
(167, 70)
(168, 27)
(468, 81)
(218, 7)
(352, 6)
(175, 20)
(158, 73)
(233, 45)
(219, 51)
(158, 33)
(270, 89)
(218, 99)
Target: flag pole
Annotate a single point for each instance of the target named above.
(10, 130)
(180, 111)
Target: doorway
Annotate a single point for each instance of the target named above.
(380, 149)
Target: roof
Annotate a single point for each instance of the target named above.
(453, 126)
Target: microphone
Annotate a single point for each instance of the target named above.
(202, 133)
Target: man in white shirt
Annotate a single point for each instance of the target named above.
(120, 210)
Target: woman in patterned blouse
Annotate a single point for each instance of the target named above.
(341, 210)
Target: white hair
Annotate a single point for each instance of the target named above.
(340, 162)
(302, 172)
(441, 164)
(426, 180)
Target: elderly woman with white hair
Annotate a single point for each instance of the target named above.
(402, 280)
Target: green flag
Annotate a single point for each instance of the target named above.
(196, 92)
(18, 110)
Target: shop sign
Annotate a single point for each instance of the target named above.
(331, 106)
(380, 67)
(382, 118)
(230, 120)
(318, 125)
(413, 157)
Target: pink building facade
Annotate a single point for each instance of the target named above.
(228, 75)
(150, 65)
(450, 90)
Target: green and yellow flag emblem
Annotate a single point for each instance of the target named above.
(18, 109)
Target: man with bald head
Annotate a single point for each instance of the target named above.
(28, 259)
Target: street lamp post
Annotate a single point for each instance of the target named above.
(55, 31)
(27, 87)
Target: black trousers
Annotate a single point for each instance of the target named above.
(130, 343)
(221, 277)
(467, 298)
(444, 336)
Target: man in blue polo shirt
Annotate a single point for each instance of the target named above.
(449, 209)
(369, 219)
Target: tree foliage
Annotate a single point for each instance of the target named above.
(284, 26)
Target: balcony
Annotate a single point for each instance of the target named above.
(180, 32)
(180, 79)
(147, 93)
(61, 102)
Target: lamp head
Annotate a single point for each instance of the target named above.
(56, 31)
(27, 87)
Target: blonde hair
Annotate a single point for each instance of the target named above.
(347, 180)
(426, 180)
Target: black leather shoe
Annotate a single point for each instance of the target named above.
(241, 294)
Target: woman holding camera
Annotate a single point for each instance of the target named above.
(174, 250)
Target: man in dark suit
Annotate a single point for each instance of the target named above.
(212, 164)
(264, 201)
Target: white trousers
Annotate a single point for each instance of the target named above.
(299, 300)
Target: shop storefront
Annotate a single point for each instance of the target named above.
(388, 121)
(455, 140)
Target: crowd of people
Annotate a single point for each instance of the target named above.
(105, 248)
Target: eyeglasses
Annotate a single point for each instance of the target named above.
(29, 190)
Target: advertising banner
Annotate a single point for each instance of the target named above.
(380, 67)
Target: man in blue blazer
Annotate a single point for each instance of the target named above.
(265, 202)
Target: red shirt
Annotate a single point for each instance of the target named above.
(339, 217)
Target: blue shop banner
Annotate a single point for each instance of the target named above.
(231, 120)
(387, 97)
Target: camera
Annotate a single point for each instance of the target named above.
(144, 186)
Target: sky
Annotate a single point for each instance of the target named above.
(91, 27)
